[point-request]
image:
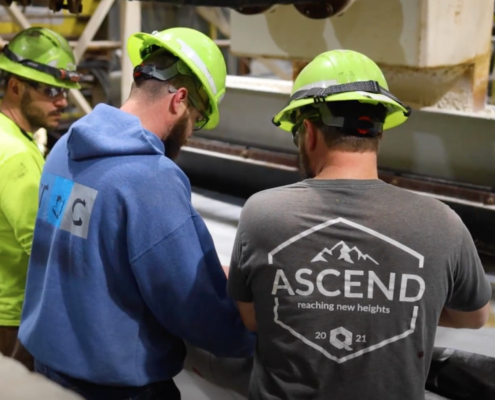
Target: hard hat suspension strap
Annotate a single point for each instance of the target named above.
(58, 73)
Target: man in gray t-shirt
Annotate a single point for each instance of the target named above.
(344, 277)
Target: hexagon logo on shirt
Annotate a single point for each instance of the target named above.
(345, 290)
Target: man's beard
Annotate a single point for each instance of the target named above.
(35, 116)
(177, 137)
(304, 162)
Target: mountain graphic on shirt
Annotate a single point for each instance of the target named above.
(345, 253)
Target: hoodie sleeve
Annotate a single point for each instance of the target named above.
(184, 285)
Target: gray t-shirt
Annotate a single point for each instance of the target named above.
(349, 278)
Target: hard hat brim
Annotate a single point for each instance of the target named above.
(394, 118)
(34, 75)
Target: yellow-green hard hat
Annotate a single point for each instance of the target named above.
(341, 75)
(197, 51)
(41, 55)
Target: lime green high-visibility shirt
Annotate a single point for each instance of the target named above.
(21, 164)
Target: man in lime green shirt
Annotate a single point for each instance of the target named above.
(38, 69)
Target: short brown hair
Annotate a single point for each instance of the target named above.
(338, 140)
(154, 89)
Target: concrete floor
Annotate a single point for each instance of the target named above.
(221, 214)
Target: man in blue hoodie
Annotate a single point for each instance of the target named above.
(123, 269)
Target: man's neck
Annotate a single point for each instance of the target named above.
(340, 165)
(15, 115)
(151, 119)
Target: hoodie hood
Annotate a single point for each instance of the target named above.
(108, 131)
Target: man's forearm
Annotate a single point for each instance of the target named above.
(464, 319)
(446, 320)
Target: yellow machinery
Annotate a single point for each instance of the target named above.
(68, 24)
(73, 6)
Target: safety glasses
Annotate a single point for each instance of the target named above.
(51, 92)
(202, 120)
(298, 123)
(57, 73)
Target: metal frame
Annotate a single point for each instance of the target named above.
(130, 22)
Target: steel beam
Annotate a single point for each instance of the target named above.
(130, 22)
(92, 27)
(82, 44)
(16, 14)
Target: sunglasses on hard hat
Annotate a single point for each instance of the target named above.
(47, 90)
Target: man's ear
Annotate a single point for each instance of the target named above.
(179, 100)
(311, 136)
(15, 86)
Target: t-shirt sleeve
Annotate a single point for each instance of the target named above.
(238, 286)
(471, 289)
(19, 196)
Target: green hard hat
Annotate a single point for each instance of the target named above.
(341, 75)
(41, 55)
(199, 54)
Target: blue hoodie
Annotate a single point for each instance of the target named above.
(123, 269)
